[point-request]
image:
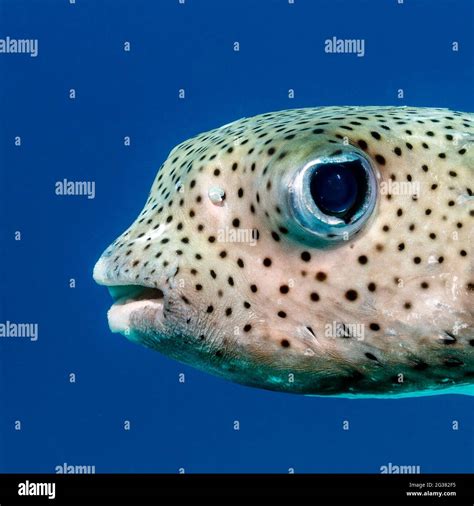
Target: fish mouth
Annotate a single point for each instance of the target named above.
(135, 308)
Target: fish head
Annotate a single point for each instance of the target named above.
(322, 251)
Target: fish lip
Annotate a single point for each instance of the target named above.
(134, 309)
(137, 304)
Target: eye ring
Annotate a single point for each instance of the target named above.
(326, 225)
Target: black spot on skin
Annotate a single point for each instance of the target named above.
(351, 295)
(321, 276)
(314, 296)
(285, 343)
(380, 159)
(247, 327)
(281, 314)
(267, 262)
(305, 256)
(363, 259)
(284, 289)
(375, 327)
(371, 287)
(370, 356)
(375, 135)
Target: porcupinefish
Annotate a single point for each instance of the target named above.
(323, 251)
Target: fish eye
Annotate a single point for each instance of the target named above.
(332, 197)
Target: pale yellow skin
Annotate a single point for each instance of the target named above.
(421, 313)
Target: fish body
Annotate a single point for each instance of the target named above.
(323, 251)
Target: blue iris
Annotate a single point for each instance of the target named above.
(335, 187)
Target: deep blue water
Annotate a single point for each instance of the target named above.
(135, 94)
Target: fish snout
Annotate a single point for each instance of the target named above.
(138, 302)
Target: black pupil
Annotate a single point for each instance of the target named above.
(338, 189)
